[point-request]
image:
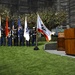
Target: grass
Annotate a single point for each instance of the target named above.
(26, 61)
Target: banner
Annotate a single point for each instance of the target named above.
(26, 31)
(42, 29)
(19, 27)
(6, 28)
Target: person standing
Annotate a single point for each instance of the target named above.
(33, 36)
(3, 39)
(9, 38)
(0, 35)
(15, 37)
(21, 37)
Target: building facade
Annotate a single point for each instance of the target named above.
(62, 5)
(26, 6)
(72, 13)
(69, 7)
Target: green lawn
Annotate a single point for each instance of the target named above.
(26, 61)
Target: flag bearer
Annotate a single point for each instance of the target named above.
(9, 38)
(15, 37)
(3, 40)
(21, 37)
(33, 36)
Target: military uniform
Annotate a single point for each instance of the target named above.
(9, 39)
(33, 37)
(3, 39)
(0, 36)
(15, 37)
(21, 37)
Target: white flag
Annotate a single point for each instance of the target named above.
(0, 26)
(26, 31)
(42, 29)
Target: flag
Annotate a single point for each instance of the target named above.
(19, 24)
(0, 26)
(26, 31)
(43, 29)
(6, 28)
(12, 25)
(19, 27)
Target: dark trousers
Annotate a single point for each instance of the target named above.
(0, 41)
(16, 41)
(9, 41)
(3, 41)
(27, 43)
(21, 41)
(33, 41)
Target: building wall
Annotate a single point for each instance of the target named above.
(62, 5)
(69, 7)
(26, 6)
(72, 12)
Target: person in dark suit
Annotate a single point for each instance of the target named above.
(15, 37)
(3, 39)
(0, 35)
(33, 36)
(9, 38)
(21, 37)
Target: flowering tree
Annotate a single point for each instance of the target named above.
(48, 16)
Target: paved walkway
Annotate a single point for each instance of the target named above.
(62, 53)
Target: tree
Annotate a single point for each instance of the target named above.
(52, 19)
(48, 16)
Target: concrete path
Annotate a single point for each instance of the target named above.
(62, 53)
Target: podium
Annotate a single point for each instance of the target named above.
(60, 42)
(70, 41)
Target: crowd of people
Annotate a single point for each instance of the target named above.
(16, 38)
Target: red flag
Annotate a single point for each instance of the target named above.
(6, 28)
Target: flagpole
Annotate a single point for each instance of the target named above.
(36, 46)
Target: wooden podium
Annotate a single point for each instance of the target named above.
(70, 41)
(60, 42)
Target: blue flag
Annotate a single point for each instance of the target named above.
(19, 27)
(13, 25)
(19, 22)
